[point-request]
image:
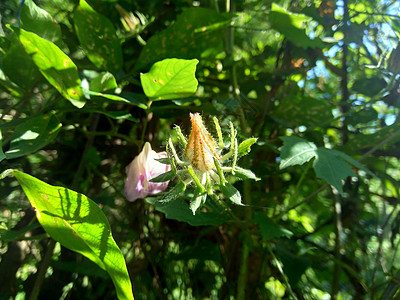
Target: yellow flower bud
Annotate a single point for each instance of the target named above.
(201, 147)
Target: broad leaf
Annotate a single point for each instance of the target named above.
(39, 21)
(331, 168)
(179, 210)
(329, 165)
(189, 37)
(170, 79)
(32, 135)
(78, 224)
(290, 25)
(295, 151)
(98, 37)
(55, 65)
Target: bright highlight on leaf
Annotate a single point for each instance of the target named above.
(77, 223)
(54, 65)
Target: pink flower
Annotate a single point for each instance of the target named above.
(142, 169)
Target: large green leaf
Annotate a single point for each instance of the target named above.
(170, 79)
(32, 135)
(37, 20)
(290, 25)
(329, 165)
(98, 38)
(77, 223)
(189, 37)
(295, 151)
(55, 65)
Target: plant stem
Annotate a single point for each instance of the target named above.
(43, 269)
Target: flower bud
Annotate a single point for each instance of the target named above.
(141, 170)
(201, 147)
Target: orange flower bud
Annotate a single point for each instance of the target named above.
(201, 147)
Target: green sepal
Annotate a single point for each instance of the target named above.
(199, 198)
(164, 177)
(165, 161)
(245, 174)
(231, 193)
(244, 147)
(174, 193)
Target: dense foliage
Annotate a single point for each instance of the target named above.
(306, 92)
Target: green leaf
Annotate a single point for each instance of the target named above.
(129, 100)
(165, 161)
(170, 79)
(245, 174)
(19, 66)
(39, 21)
(186, 38)
(245, 146)
(369, 86)
(78, 224)
(56, 66)
(174, 193)
(290, 25)
(270, 230)
(32, 135)
(179, 210)
(105, 81)
(164, 177)
(352, 161)
(98, 38)
(295, 151)
(231, 193)
(2, 155)
(199, 198)
(329, 167)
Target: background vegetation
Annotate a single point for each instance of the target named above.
(315, 228)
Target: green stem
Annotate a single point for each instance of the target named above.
(146, 121)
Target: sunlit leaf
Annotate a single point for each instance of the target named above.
(245, 146)
(78, 224)
(290, 25)
(170, 78)
(55, 65)
(37, 20)
(295, 151)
